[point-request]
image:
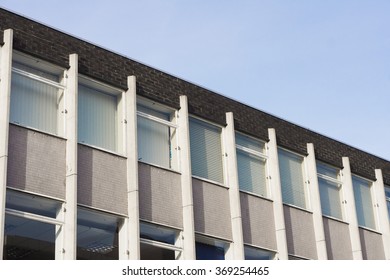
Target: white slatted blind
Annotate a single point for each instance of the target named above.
(97, 113)
(206, 150)
(34, 103)
(330, 191)
(153, 138)
(251, 168)
(363, 202)
(291, 176)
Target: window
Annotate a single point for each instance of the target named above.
(159, 243)
(292, 178)
(330, 190)
(98, 115)
(31, 227)
(97, 235)
(363, 202)
(206, 150)
(251, 164)
(208, 248)
(37, 95)
(252, 253)
(156, 135)
(387, 192)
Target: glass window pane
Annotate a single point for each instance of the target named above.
(330, 198)
(363, 202)
(97, 113)
(387, 192)
(249, 143)
(28, 240)
(206, 150)
(158, 233)
(209, 252)
(97, 235)
(251, 173)
(153, 138)
(291, 176)
(34, 103)
(257, 254)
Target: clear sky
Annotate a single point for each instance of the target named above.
(324, 65)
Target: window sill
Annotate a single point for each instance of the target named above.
(335, 219)
(38, 130)
(160, 167)
(370, 229)
(256, 195)
(103, 150)
(210, 182)
(297, 207)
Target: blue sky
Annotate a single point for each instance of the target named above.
(324, 65)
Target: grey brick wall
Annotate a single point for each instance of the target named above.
(211, 209)
(160, 195)
(258, 221)
(102, 180)
(338, 241)
(300, 233)
(36, 162)
(54, 46)
(372, 245)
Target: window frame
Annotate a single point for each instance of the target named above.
(372, 197)
(174, 163)
(119, 94)
(387, 199)
(40, 65)
(337, 183)
(258, 155)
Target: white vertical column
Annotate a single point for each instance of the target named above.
(69, 214)
(383, 217)
(189, 252)
(129, 243)
(234, 190)
(315, 202)
(5, 95)
(276, 194)
(349, 202)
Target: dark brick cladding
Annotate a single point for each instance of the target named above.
(54, 46)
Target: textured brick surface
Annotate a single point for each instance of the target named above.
(211, 209)
(101, 179)
(160, 195)
(338, 242)
(54, 46)
(258, 221)
(300, 233)
(372, 245)
(36, 162)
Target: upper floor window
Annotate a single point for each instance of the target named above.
(330, 190)
(292, 178)
(37, 94)
(210, 248)
(156, 135)
(206, 150)
(98, 115)
(387, 192)
(363, 202)
(251, 165)
(252, 253)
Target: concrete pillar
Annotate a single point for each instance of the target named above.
(129, 243)
(350, 210)
(5, 94)
(70, 208)
(276, 195)
(189, 252)
(234, 190)
(314, 196)
(382, 214)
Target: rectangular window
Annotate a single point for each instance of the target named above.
(363, 202)
(330, 190)
(292, 178)
(155, 136)
(252, 253)
(208, 248)
(251, 165)
(387, 192)
(98, 116)
(159, 243)
(37, 96)
(206, 150)
(97, 235)
(31, 227)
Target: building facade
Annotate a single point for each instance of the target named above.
(102, 157)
